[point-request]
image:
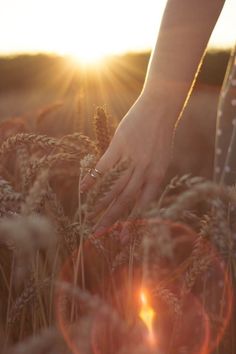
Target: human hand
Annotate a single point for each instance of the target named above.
(144, 136)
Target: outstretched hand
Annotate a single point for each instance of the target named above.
(143, 136)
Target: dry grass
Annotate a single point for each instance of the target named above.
(63, 290)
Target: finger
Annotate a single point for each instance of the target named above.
(111, 195)
(149, 193)
(106, 162)
(120, 206)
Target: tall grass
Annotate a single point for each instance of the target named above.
(65, 290)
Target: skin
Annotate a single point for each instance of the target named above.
(145, 133)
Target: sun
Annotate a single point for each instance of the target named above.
(88, 35)
(89, 57)
(89, 50)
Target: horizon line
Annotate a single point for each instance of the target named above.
(13, 54)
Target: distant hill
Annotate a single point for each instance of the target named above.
(51, 72)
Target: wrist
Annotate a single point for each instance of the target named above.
(170, 97)
(160, 109)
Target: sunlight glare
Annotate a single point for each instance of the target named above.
(90, 30)
(147, 315)
(89, 58)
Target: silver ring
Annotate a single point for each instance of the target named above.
(97, 171)
(94, 173)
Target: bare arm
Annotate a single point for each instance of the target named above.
(184, 33)
(145, 133)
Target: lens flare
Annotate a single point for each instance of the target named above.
(147, 315)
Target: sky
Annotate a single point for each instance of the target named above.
(92, 28)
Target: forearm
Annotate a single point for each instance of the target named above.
(184, 33)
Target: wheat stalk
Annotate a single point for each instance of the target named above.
(102, 131)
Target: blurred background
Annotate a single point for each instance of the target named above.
(60, 59)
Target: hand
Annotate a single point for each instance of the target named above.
(144, 136)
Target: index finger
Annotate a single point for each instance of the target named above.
(106, 162)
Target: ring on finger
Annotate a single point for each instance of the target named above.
(94, 173)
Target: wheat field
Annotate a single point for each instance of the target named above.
(65, 290)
